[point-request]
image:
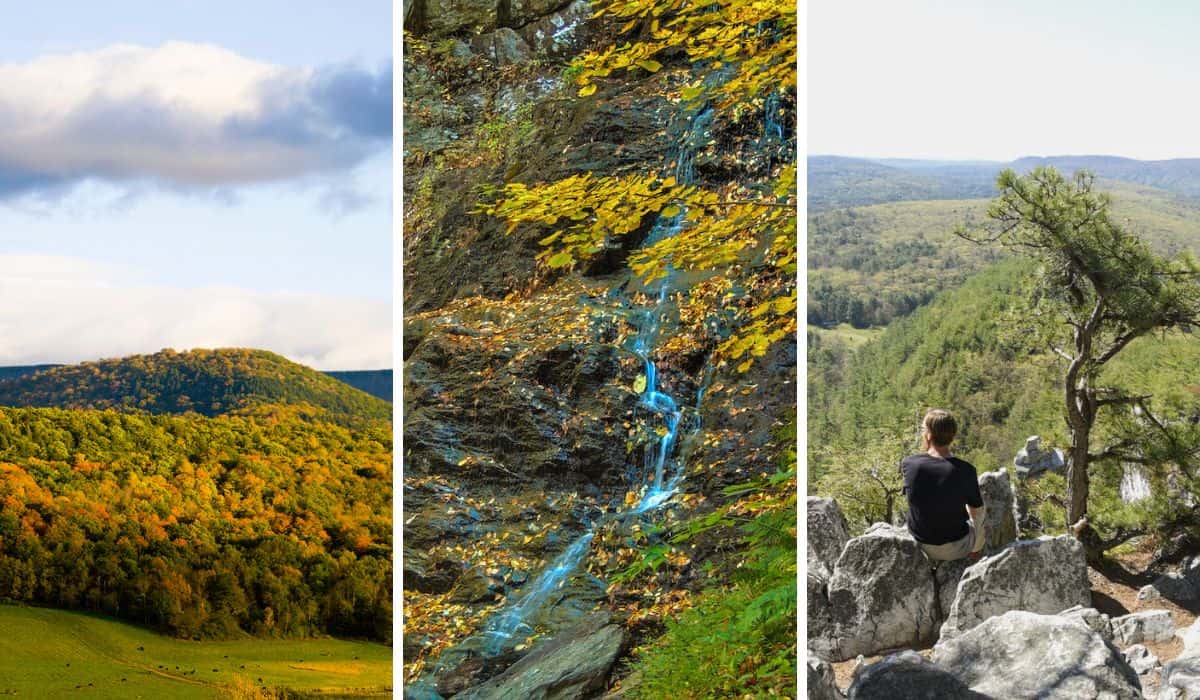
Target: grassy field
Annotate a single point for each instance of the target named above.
(851, 336)
(53, 653)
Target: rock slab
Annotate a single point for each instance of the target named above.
(1046, 576)
(827, 534)
(1022, 654)
(573, 665)
(881, 595)
(1144, 626)
(1000, 523)
(907, 676)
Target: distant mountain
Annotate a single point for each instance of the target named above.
(15, 371)
(838, 182)
(1178, 175)
(376, 382)
(209, 382)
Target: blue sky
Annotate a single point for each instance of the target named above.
(232, 158)
(999, 80)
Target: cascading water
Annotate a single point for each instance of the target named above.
(510, 625)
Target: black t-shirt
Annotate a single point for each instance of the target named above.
(938, 492)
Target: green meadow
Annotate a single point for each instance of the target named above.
(53, 653)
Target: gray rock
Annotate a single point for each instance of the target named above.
(1046, 575)
(525, 11)
(881, 595)
(907, 676)
(443, 17)
(1140, 659)
(1032, 460)
(822, 633)
(1144, 626)
(1183, 586)
(822, 684)
(503, 46)
(1134, 484)
(827, 534)
(1181, 679)
(561, 34)
(575, 664)
(1092, 618)
(1191, 639)
(1026, 655)
(1000, 524)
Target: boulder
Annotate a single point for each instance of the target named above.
(822, 634)
(881, 594)
(503, 46)
(444, 17)
(561, 34)
(1181, 679)
(827, 534)
(1000, 524)
(1183, 586)
(1091, 618)
(1026, 655)
(907, 676)
(1046, 575)
(1191, 638)
(1032, 460)
(822, 685)
(1144, 626)
(574, 664)
(522, 12)
(1140, 659)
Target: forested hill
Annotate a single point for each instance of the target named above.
(376, 382)
(208, 382)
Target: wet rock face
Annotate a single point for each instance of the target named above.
(907, 676)
(1026, 655)
(827, 534)
(1044, 576)
(574, 664)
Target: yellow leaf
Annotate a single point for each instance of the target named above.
(650, 65)
(587, 89)
(639, 384)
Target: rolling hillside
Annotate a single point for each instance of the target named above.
(209, 382)
(870, 265)
(55, 653)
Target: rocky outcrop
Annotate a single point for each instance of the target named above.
(1046, 575)
(1032, 460)
(1026, 655)
(1091, 618)
(573, 665)
(1140, 659)
(881, 595)
(822, 685)
(1000, 523)
(907, 676)
(1180, 587)
(827, 534)
(1181, 676)
(1144, 626)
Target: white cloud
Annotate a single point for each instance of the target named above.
(186, 114)
(65, 310)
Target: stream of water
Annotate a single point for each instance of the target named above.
(661, 472)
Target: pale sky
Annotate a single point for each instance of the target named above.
(197, 174)
(979, 79)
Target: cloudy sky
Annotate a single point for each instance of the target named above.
(197, 174)
(999, 80)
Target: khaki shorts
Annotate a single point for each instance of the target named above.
(950, 551)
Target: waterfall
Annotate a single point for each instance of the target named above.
(1134, 484)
